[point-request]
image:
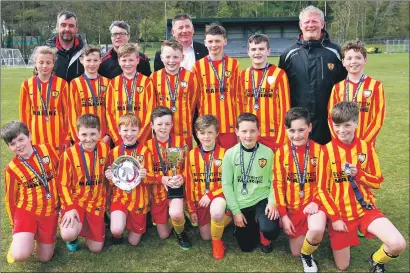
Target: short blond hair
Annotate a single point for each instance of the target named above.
(129, 119)
(174, 44)
(311, 9)
(44, 50)
(126, 49)
(206, 121)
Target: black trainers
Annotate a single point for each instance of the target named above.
(376, 267)
(309, 264)
(116, 241)
(183, 240)
(266, 248)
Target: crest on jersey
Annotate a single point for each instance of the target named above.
(313, 161)
(271, 79)
(367, 93)
(184, 84)
(331, 66)
(46, 160)
(217, 162)
(140, 89)
(103, 88)
(262, 162)
(227, 73)
(55, 93)
(102, 161)
(361, 157)
(140, 158)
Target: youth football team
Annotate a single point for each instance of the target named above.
(254, 164)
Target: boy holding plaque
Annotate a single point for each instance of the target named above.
(167, 194)
(348, 171)
(247, 186)
(205, 200)
(82, 188)
(129, 207)
(30, 194)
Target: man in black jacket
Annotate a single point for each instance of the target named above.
(120, 34)
(313, 65)
(69, 47)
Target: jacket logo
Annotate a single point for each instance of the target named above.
(140, 89)
(217, 162)
(46, 160)
(227, 73)
(361, 157)
(367, 93)
(184, 84)
(262, 162)
(331, 66)
(313, 161)
(271, 79)
(102, 161)
(55, 93)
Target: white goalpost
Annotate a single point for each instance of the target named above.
(11, 57)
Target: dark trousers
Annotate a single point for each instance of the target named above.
(248, 237)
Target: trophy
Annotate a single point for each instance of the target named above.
(174, 159)
(125, 171)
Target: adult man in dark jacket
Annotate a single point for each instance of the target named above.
(120, 34)
(313, 65)
(69, 47)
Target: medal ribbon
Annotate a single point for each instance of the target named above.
(221, 80)
(164, 167)
(295, 158)
(93, 95)
(45, 105)
(207, 167)
(248, 170)
(87, 173)
(257, 90)
(357, 89)
(133, 153)
(173, 94)
(43, 176)
(130, 105)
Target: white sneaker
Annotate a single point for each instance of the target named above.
(309, 264)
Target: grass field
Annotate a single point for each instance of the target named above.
(154, 254)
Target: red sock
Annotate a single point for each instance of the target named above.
(263, 240)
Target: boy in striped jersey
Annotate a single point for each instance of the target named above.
(43, 98)
(130, 92)
(205, 200)
(295, 188)
(30, 194)
(365, 91)
(347, 173)
(217, 76)
(82, 188)
(87, 93)
(176, 88)
(264, 91)
(129, 209)
(163, 206)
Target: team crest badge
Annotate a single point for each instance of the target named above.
(140, 158)
(217, 162)
(262, 162)
(227, 73)
(271, 79)
(46, 160)
(361, 157)
(102, 161)
(313, 161)
(140, 89)
(331, 66)
(367, 93)
(184, 84)
(55, 93)
(103, 88)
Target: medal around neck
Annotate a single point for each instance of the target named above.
(126, 173)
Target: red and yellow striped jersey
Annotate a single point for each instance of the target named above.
(158, 192)
(138, 199)
(195, 184)
(273, 100)
(24, 190)
(335, 191)
(117, 104)
(81, 102)
(54, 131)
(74, 189)
(371, 102)
(209, 101)
(185, 102)
(286, 184)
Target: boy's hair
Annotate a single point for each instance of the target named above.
(88, 49)
(259, 38)
(180, 17)
(356, 45)
(88, 121)
(12, 130)
(215, 29)
(44, 50)
(345, 111)
(311, 9)
(120, 24)
(129, 119)
(296, 113)
(126, 49)
(160, 111)
(205, 121)
(174, 44)
(247, 117)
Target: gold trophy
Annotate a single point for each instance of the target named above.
(175, 160)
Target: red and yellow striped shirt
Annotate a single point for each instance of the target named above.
(55, 131)
(158, 192)
(23, 189)
(286, 184)
(74, 190)
(273, 100)
(372, 106)
(81, 102)
(335, 191)
(138, 199)
(117, 104)
(195, 184)
(185, 102)
(209, 101)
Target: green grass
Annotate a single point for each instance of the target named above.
(154, 254)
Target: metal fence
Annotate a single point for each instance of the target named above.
(397, 46)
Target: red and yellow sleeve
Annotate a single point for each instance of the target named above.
(149, 165)
(10, 191)
(74, 109)
(148, 106)
(65, 112)
(65, 187)
(378, 112)
(25, 104)
(284, 102)
(372, 176)
(279, 182)
(189, 185)
(333, 100)
(111, 112)
(240, 94)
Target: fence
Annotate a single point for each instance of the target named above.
(397, 46)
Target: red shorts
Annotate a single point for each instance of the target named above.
(44, 228)
(136, 222)
(204, 216)
(300, 222)
(268, 141)
(340, 240)
(160, 212)
(93, 225)
(227, 140)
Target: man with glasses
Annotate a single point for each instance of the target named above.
(120, 34)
